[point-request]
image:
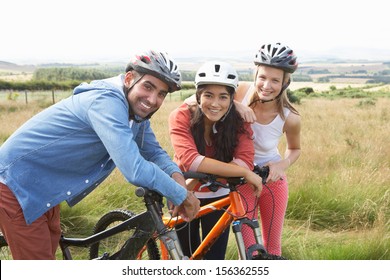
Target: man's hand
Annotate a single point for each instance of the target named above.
(189, 208)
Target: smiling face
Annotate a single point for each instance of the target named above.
(147, 95)
(214, 102)
(269, 81)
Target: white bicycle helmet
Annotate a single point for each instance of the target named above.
(159, 65)
(215, 72)
(278, 56)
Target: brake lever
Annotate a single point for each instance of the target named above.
(204, 185)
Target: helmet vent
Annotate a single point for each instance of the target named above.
(273, 51)
(145, 59)
(282, 50)
(230, 76)
(217, 67)
(202, 74)
(170, 65)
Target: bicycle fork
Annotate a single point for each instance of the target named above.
(168, 237)
(237, 230)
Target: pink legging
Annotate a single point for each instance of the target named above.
(272, 205)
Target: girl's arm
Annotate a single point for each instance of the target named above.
(293, 136)
(293, 149)
(246, 113)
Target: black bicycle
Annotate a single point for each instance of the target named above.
(122, 234)
(125, 234)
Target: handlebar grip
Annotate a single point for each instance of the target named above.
(140, 192)
(262, 171)
(196, 175)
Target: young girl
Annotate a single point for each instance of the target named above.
(212, 138)
(274, 116)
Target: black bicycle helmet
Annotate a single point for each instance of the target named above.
(159, 65)
(278, 56)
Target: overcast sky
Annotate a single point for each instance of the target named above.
(93, 30)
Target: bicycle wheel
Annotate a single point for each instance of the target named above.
(5, 253)
(114, 243)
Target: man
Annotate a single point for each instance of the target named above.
(67, 150)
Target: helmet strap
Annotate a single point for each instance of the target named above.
(227, 112)
(215, 128)
(224, 116)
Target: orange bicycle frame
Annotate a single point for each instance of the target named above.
(234, 211)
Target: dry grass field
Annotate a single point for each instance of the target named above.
(318, 87)
(339, 203)
(15, 76)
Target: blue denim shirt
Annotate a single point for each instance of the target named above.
(65, 151)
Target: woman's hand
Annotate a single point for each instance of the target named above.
(277, 170)
(255, 180)
(245, 112)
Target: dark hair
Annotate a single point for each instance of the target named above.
(225, 140)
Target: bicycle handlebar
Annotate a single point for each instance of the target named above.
(199, 176)
(211, 182)
(262, 171)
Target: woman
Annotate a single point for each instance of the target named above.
(212, 138)
(272, 116)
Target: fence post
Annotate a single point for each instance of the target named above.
(25, 96)
(52, 96)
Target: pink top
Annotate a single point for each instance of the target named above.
(186, 154)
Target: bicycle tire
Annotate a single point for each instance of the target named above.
(5, 253)
(113, 244)
(2, 240)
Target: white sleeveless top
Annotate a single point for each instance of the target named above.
(266, 137)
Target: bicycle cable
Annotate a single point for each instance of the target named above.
(272, 214)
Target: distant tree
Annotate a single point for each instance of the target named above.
(301, 78)
(362, 71)
(318, 71)
(70, 74)
(188, 76)
(385, 72)
(245, 77)
(292, 97)
(324, 79)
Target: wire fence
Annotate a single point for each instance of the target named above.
(29, 97)
(53, 96)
